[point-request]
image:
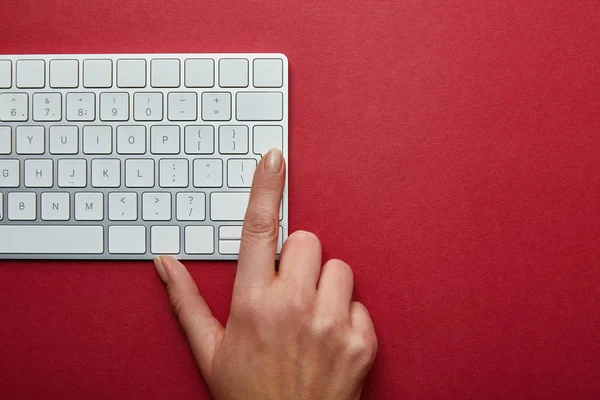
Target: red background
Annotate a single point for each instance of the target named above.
(448, 151)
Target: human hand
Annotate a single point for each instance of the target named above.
(293, 333)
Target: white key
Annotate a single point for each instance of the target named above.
(122, 206)
(48, 239)
(230, 232)
(199, 240)
(267, 138)
(114, 106)
(131, 73)
(231, 239)
(5, 74)
(14, 107)
(173, 173)
(30, 140)
(164, 139)
(31, 74)
(38, 173)
(229, 206)
(64, 139)
(191, 206)
(199, 72)
(199, 139)
(9, 173)
(216, 106)
(240, 173)
(127, 239)
(55, 206)
(208, 172)
(164, 73)
(97, 73)
(164, 239)
(89, 206)
(64, 74)
(148, 106)
(5, 140)
(229, 246)
(97, 139)
(182, 106)
(81, 106)
(47, 107)
(106, 173)
(1, 206)
(268, 73)
(233, 139)
(72, 173)
(131, 139)
(233, 72)
(259, 106)
(21, 206)
(156, 206)
(139, 173)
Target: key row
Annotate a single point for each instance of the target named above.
(147, 106)
(138, 173)
(122, 239)
(133, 73)
(133, 139)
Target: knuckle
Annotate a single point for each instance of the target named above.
(180, 307)
(261, 225)
(361, 349)
(325, 326)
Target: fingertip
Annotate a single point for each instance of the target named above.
(160, 269)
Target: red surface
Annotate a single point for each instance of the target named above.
(449, 151)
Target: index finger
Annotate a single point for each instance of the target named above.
(256, 262)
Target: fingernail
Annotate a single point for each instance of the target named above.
(274, 160)
(160, 269)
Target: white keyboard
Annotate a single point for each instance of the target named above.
(128, 156)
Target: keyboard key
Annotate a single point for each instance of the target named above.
(268, 73)
(131, 73)
(14, 107)
(21, 206)
(1, 206)
(259, 106)
(106, 173)
(139, 173)
(199, 73)
(182, 107)
(240, 172)
(233, 72)
(31, 74)
(5, 140)
(216, 106)
(55, 206)
(114, 106)
(97, 73)
(191, 206)
(266, 138)
(164, 239)
(9, 173)
(148, 106)
(38, 173)
(48, 239)
(81, 106)
(64, 140)
(72, 173)
(64, 74)
(233, 139)
(164, 139)
(5, 74)
(89, 206)
(131, 139)
(97, 139)
(229, 246)
(30, 140)
(208, 172)
(156, 206)
(127, 239)
(165, 73)
(199, 240)
(122, 206)
(47, 107)
(199, 139)
(230, 232)
(230, 239)
(173, 173)
(228, 206)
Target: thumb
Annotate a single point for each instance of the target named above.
(203, 330)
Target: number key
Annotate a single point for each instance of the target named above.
(148, 106)
(47, 107)
(114, 106)
(81, 106)
(14, 107)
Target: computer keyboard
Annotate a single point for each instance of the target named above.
(128, 156)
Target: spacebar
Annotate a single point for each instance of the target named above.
(52, 239)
